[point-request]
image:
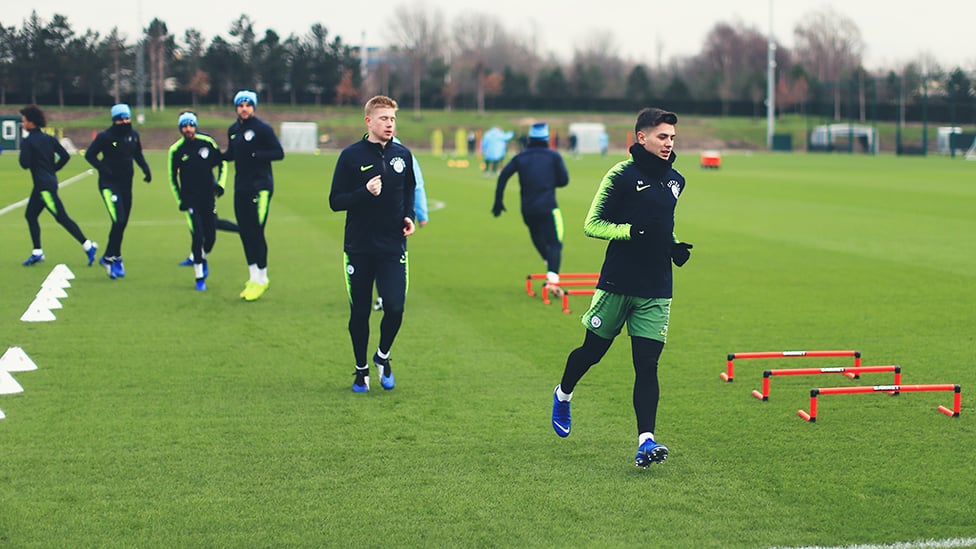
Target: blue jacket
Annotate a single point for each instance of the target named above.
(253, 145)
(541, 170)
(494, 143)
(639, 192)
(43, 155)
(374, 224)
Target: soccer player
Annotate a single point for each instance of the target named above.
(541, 171)
(192, 160)
(119, 146)
(494, 145)
(634, 210)
(374, 184)
(44, 156)
(252, 145)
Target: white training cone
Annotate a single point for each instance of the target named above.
(48, 301)
(16, 360)
(52, 291)
(9, 385)
(37, 313)
(63, 271)
(55, 279)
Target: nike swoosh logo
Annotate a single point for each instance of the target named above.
(560, 428)
(641, 188)
(364, 168)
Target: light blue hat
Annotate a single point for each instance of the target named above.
(539, 131)
(121, 110)
(187, 119)
(246, 95)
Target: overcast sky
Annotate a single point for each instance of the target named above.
(893, 33)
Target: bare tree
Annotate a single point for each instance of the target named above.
(157, 38)
(830, 46)
(598, 70)
(418, 32)
(483, 47)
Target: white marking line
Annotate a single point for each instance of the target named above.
(927, 544)
(63, 184)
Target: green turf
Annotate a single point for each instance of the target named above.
(162, 417)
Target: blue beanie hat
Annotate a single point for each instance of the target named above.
(187, 119)
(539, 131)
(121, 110)
(246, 95)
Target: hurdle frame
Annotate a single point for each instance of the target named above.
(568, 293)
(729, 374)
(811, 416)
(847, 371)
(536, 276)
(567, 283)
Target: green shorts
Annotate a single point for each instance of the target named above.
(645, 316)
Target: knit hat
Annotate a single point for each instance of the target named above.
(246, 95)
(121, 111)
(187, 119)
(539, 131)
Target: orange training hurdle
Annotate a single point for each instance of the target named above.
(729, 372)
(811, 416)
(764, 395)
(536, 276)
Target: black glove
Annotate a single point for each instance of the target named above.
(680, 253)
(218, 190)
(637, 232)
(184, 206)
(148, 178)
(498, 208)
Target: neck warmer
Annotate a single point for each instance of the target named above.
(651, 164)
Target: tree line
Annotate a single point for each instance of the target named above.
(472, 62)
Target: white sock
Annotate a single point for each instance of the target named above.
(263, 275)
(38, 251)
(381, 354)
(255, 273)
(87, 245)
(563, 397)
(644, 436)
(552, 277)
(198, 270)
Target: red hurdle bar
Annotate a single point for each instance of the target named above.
(857, 371)
(729, 372)
(568, 293)
(563, 283)
(536, 276)
(893, 389)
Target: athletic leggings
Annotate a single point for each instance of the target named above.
(202, 219)
(37, 203)
(390, 274)
(645, 353)
(251, 210)
(546, 231)
(119, 206)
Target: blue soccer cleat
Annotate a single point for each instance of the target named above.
(108, 264)
(361, 383)
(201, 285)
(34, 258)
(90, 252)
(385, 370)
(188, 262)
(118, 271)
(650, 452)
(562, 422)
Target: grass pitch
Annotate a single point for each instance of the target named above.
(160, 416)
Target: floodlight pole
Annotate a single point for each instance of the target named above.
(770, 82)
